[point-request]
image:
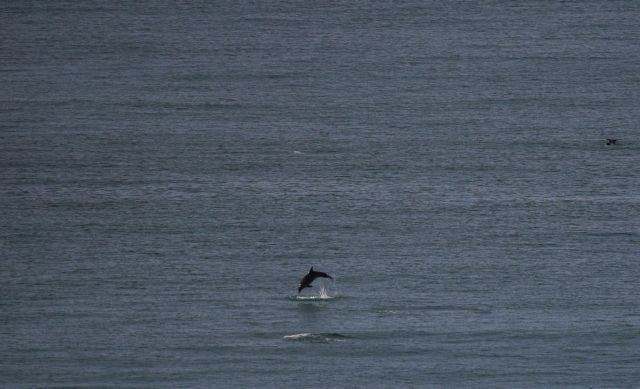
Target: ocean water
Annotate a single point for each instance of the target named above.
(169, 171)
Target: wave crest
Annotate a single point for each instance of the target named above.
(323, 337)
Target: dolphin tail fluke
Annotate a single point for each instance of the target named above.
(323, 275)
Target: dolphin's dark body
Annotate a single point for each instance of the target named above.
(306, 281)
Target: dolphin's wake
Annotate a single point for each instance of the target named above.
(327, 290)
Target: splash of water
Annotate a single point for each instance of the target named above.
(327, 290)
(324, 293)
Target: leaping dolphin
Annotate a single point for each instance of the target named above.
(306, 281)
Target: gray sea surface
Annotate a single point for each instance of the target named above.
(170, 170)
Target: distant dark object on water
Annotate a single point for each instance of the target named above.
(306, 281)
(611, 141)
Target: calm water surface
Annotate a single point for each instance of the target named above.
(168, 172)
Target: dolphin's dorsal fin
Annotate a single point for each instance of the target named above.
(311, 271)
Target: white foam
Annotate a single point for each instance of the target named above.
(318, 337)
(298, 336)
(312, 298)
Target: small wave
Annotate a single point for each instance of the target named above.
(323, 337)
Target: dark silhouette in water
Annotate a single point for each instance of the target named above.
(306, 281)
(611, 141)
